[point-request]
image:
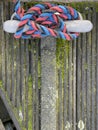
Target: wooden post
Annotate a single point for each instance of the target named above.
(48, 88)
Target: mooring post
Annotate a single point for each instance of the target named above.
(48, 86)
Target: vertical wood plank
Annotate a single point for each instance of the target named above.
(6, 53)
(14, 88)
(17, 94)
(12, 72)
(22, 79)
(11, 57)
(97, 80)
(26, 86)
(48, 88)
(93, 70)
(33, 85)
(7, 62)
(60, 101)
(74, 85)
(66, 86)
(83, 83)
(10, 66)
(21, 58)
(3, 44)
(36, 83)
(89, 43)
(70, 84)
(79, 79)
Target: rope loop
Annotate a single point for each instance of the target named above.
(44, 20)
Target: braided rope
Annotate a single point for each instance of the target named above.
(45, 20)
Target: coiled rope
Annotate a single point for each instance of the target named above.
(44, 20)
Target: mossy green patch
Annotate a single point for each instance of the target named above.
(62, 53)
(85, 6)
(62, 57)
(1, 84)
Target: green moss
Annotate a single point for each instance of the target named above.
(85, 7)
(80, 6)
(1, 84)
(62, 53)
(62, 56)
(85, 66)
(30, 81)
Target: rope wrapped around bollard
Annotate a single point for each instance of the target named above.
(43, 20)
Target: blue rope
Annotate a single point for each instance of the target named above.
(43, 21)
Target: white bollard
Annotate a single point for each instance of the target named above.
(80, 26)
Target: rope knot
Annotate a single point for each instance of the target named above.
(44, 20)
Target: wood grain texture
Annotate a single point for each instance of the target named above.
(26, 89)
(48, 88)
(70, 98)
(74, 86)
(9, 109)
(51, 97)
(97, 78)
(33, 86)
(88, 82)
(65, 102)
(93, 121)
(79, 79)
(60, 101)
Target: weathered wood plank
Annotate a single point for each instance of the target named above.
(93, 121)
(17, 94)
(10, 66)
(88, 81)
(26, 85)
(7, 62)
(10, 110)
(83, 83)
(22, 79)
(79, 79)
(66, 86)
(48, 88)
(12, 71)
(33, 84)
(3, 45)
(11, 59)
(21, 58)
(1, 32)
(36, 83)
(6, 55)
(70, 100)
(60, 101)
(74, 85)
(97, 78)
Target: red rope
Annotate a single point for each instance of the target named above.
(44, 20)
